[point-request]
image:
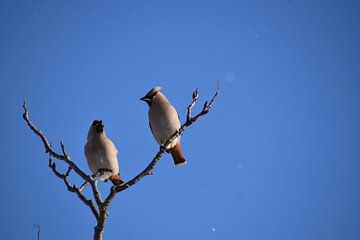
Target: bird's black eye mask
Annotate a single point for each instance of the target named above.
(149, 99)
(153, 96)
(95, 122)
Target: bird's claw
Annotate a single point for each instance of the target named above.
(101, 171)
(162, 148)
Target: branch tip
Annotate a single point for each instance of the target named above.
(216, 94)
(63, 149)
(205, 105)
(195, 94)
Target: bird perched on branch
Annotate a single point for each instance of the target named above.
(101, 154)
(164, 121)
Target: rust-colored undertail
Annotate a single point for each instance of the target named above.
(116, 180)
(177, 155)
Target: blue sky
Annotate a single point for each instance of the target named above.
(276, 158)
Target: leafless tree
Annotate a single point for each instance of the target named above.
(99, 206)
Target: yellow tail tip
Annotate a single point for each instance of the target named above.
(180, 164)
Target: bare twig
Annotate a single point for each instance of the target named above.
(206, 108)
(96, 193)
(73, 188)
(83, 186)
(48, 147)
(195, 97)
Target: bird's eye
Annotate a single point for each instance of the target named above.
(152, 97)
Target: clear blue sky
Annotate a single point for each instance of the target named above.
(277, 157)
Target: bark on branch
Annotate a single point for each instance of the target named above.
(73, 188)
(101, 209)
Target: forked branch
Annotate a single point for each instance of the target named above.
(73, 188)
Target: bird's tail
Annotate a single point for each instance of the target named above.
(177, 155)
(116, 180)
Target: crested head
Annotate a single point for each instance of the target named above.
(152, 92)
(151, 95)
(98, 125)
(96, 128)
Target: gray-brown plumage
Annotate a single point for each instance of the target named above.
(164, 121)
(101, 154)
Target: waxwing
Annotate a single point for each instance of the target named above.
(101, 154)
(164, 121)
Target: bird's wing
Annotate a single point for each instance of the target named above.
(151, 129)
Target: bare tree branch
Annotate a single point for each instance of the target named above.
(73, 188)
(64, 157)
(96, 193)
(195, 97)
(49, 149)
(83, 186)
(101, 212)
(206, 108)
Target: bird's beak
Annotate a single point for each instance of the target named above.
(100, 125)
(144, 99)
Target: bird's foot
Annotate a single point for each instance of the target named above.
(101, 171)
(163, 148)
